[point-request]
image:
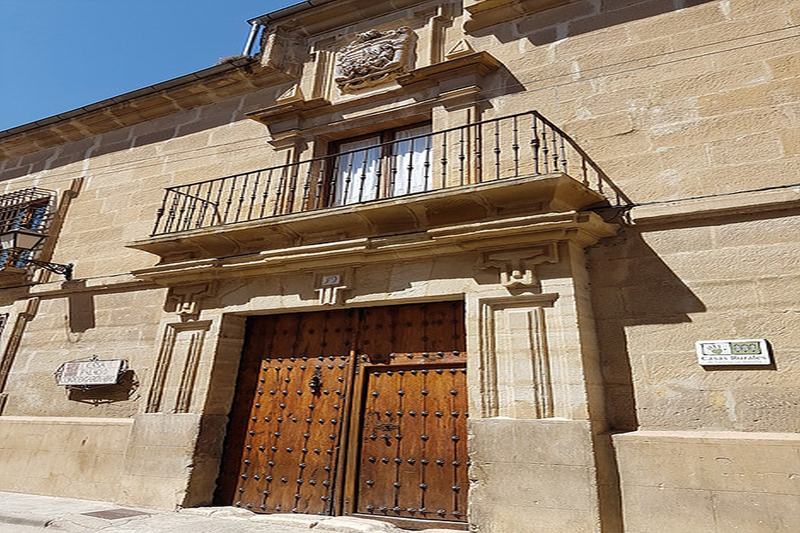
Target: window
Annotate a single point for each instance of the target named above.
(383, 165)
(24, 209)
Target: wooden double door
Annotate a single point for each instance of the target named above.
(357, 411)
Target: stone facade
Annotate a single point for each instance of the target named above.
(588, 409)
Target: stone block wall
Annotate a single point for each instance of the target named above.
(658, 290)
(63, 456)
(675, 100)
(710, 482)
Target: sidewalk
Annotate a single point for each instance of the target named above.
(28, 513)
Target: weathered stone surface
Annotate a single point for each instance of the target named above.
(691, 108)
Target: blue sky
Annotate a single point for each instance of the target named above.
(56, 55)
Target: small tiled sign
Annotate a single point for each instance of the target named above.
(733, 352)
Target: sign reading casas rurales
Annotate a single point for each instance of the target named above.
(733, 352)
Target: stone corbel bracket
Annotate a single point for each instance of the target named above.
(517, 268)
(284, 118)
(186, 300)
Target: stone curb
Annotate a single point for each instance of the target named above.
(332, 524)
(19, 521)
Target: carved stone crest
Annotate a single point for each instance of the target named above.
(373, 57)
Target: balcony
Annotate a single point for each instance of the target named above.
(502, 167)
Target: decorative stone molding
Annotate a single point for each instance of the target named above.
(331, 286)
(177, 367)
(485, 13)
(25, 315)
(373, 57)
(518, 267)
(186, 300)
(515, 373)
(459, 49)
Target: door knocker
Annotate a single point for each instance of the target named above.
(315, 383)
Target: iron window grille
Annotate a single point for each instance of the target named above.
(26, 209)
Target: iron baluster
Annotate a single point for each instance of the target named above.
(218, 200)
(290, 197)
(253, 196)
(443, 159)
(192, 208)
(555, 149)
(307, 187)
(535, 146)
(497, 149)
(515, 146)
(545, 150)
(378, 174)
(242, 196)
(231, 181)
(332, 181)
(182, 212)
(320, 183)
(461, 156)
(265, 194)
(279, 191)
(599, 182)
(410, 167)
(584, 172)
(363, 179)
(159, 214)
(201, 214)
(478, 145)
(347, 178)
(427, 163)
(393, 172)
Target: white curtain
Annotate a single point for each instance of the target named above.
(357, 171)
(409, 160)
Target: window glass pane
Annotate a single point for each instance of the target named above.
(412, 161)
(357, 172)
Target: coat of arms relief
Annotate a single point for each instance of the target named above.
(374, 57)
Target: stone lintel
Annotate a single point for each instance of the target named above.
(485, 13)
(477, 63)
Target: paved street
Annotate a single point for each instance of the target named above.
(25, 513)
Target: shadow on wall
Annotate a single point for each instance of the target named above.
(576, 18)
(104, 394)
(631, 286)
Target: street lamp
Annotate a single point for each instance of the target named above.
(24, 240)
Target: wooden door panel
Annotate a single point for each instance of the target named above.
(291, 443)
(412, 461)
(283, 449)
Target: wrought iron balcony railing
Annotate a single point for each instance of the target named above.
(515, 146)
